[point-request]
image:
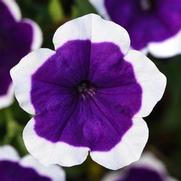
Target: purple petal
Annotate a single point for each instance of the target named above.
(16, 43)
(57, 102)
(145, 26)
(17, 38)
(142, 174)
(13, 171)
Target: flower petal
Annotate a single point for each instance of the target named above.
(37, 34)
(8, 153)
(54, 172)
(140, 24)
(11, 58)
(167, 48)
(21, 76)
(56, 80)
(52, 153)
(113, 175)
(171, 179)
(150, 161)
(128, 150)
(152, 81)
(92, 27)
(100, 7)
(148, 166)
(13, 8)
(7, 99)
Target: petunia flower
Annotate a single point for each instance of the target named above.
(153, 25)
(147, 168)
(17, 38)
(89, 95)
(12, 168)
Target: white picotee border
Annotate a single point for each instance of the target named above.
(22, 72)
(100, 7)
(55, 173)
(92, 27)
(52, 153)
(163, 49)
(128, 150)
(148, 160)
(7, 99)
(37, 34)
(168, 48)
(13, 8)
(152, 81)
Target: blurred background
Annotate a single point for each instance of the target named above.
(164, 122)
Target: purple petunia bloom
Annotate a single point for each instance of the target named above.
(148, 168)
(87, 96)
(153, 25)
(17, 38)
(12, 168)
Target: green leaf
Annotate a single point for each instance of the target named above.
(56, 11)
(12, 127)
(82, 7)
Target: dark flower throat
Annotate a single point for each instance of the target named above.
(147, 5)
(85, 89)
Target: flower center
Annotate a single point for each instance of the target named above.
(85, 89)
(147, 5)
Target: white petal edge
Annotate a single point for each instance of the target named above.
(128, 150)
(147, 160)
(151, 80)
(113, 176)
(52, 153)
(168, 48)
(14, 8)
(92, 27)
(54, 172)
(171, 179)
(164, 49)
(7, 152)
(7, 99)
(37, 34)
(100, 7)
(21, 76)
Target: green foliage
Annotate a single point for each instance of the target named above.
(56, 11)
(81, 8)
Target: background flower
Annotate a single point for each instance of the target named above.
(27, 168)
(154, 25)
(88, 95)
(17, 38)
(147, 168)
